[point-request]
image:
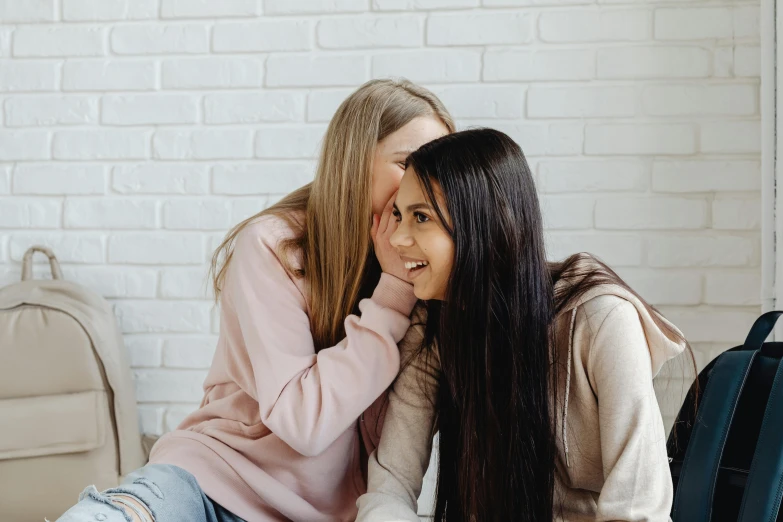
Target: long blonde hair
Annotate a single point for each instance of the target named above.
(333, 239)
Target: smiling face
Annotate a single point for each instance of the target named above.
(388, 164)
(421, 239)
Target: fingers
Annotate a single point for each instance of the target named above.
(387, 213)
(375, 222)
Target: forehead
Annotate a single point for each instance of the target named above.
(410, 189)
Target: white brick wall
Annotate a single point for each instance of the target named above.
(135, 132)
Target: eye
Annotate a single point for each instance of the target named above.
(397, 215)
(401, 164)
(420, 218)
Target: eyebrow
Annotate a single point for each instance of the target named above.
(414, 207)
(404, 151)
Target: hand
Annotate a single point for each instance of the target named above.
(382, 229)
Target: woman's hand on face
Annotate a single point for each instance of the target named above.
(382, 229)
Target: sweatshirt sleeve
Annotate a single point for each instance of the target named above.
(306, 399)
(637, 482)
(397, 467)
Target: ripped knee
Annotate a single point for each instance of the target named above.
(131, 507)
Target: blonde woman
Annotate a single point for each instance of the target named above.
(292, 403)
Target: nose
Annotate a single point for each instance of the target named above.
(401, 237)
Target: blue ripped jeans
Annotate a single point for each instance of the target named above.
(171, 494)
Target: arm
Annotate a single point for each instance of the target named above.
(637, 484)
(397, 467)
(307, 399)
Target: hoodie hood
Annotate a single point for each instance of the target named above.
(662, 347)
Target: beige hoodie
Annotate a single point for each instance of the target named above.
(611, 463)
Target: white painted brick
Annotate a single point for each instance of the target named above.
(26, 111)
(208, 8)
(243, 208)
(736, 213)
(706, 176)
(289, 142)
(429, 66)
(371, 31)
(59, 40)
(115, 282)
(483, 101)
(731, 137)
(567, 212)
(583, 25)
(70, 247)
(262, 36)
(169, 386)
(694, 23)
(616, 250)
(747, 61)
(160, 39)
(747, 21)
(110, 213)
(581, 102)
(149, 316)
(733, 288)
(254, 107)
(665, 287)
(203, 144)
(157, 178)
(541, 65)
(16, 75)
(641, 139)
(278, 7)
(524, 3)
(260, 178)
(185, 283)
(25, 11)
(303, 70)
(151, 419)
(24, 145)
(89, 10)
(175, 415)
(189, 352)
(479, 28)
(408, 5)
(700, 100)
(108, 75)
(149, 109)
(713, 325)
(149, 248)
(217, 72)
(5, 179)
(29, 213)
(197, 214)
(723, 62)
(653, 62)
(100, 144)
(5, 41)
(702, 251)
(321, 105)
(555, 139)
(642, 213)
(591, 176)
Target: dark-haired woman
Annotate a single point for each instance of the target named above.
(538, 375)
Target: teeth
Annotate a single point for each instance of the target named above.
(413, 264)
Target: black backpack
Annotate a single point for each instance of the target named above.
(726, 456)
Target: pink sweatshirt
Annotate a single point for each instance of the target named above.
(277, 434)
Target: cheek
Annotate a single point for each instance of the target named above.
(385, 182)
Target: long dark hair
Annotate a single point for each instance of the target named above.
(497, 443)
(494, 330)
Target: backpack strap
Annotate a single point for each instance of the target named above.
(764, 488)
(761, 329)
(696, 486)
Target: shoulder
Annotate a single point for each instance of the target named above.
(265, 237)
(595, 312)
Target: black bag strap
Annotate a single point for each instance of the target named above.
(696, 486)
(761, 330)
(764, 488)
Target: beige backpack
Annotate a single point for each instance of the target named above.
(67, 404)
